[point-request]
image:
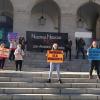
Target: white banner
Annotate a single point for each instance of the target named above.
(83, 34)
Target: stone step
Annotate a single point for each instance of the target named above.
(66, 61)
(48, 85)
(30, 67)
(41, 61)
(43, 74)
(33, 61)
(49, 97)
(44, 80)
(74, 65)
(49, 90)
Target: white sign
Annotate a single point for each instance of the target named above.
(83, 34)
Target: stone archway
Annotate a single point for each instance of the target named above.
(88, 13)
(6, 18)
(98, 29)
(50, 11)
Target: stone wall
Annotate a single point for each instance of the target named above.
(23, 19)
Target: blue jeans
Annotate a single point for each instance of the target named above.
(57, 66)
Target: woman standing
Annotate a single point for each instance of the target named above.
(94, 63)
(19, 53)
(56, 65)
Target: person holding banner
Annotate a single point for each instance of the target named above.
(13, 45)
(19, 53)
(2, 59)
(54, 64)
(94, 63)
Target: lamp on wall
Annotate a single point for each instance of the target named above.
(42, 19)
(80, 21)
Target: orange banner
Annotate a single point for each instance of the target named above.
(4, 52)
(55, 56)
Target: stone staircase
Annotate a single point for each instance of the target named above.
(38, 60)
(24, 85)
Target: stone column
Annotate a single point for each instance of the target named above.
(21, 19)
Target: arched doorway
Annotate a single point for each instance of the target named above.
(6, 19)
(88, 14)
(45, 16)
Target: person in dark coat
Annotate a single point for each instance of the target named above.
(80, 48)
(68, 48)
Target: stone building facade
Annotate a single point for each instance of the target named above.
(60, 15)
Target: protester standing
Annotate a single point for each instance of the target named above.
(56, 65)
(19, 53)
(94, 63)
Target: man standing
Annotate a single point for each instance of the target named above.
(68, 48)
(80, 48)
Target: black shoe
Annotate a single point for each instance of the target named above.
(49, 81)
(60, 81)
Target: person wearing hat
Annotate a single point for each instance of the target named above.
(56, 65)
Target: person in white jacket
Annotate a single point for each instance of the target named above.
(19, 53)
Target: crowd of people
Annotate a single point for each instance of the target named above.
(80, 44)
(16, 53)
(94, 64)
